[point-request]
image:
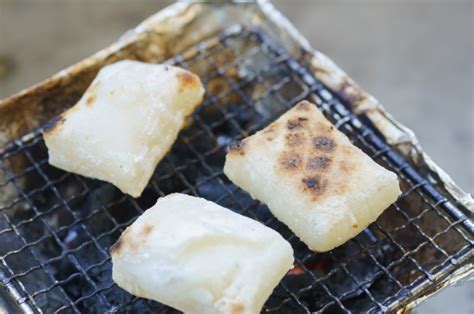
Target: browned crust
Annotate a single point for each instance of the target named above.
(304, 106)
(54, 124)
(310, 151)
(314, 184)
(132, 239)
(187, 80)
(290, 161)
(124, 240)
(296, 123)
(237, 147)
(117, 246)
(295, 139)
(311, 158)
(318, 163)
(324, 143)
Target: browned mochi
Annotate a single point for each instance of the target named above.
(124, 124)
(199, 257)
(306, 155)
(312, 178)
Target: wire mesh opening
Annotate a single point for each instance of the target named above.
(56, 227)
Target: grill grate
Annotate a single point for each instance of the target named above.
(56, 227)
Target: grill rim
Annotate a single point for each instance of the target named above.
(341, 110)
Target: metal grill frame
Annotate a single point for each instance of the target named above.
(359, 131)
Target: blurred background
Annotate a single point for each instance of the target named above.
(415, 56)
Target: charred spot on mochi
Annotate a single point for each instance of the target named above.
(290, 161)
(313, 184)
(324, 143)
(318, 163)
(187, 80)
(237, 146)
(116, 248)
(294, 139)
(296, 123)
(292, 124)
(54, 123)
(354, 226)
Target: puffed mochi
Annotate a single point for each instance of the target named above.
(312, 178)
(199, 257)
(124, 124)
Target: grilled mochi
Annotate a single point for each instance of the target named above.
(312, 178)
(124, 124)
(199, 257)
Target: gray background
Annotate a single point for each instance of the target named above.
(416, 57)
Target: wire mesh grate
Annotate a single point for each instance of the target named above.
(56, 227)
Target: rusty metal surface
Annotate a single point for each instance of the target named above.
(183, 24)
